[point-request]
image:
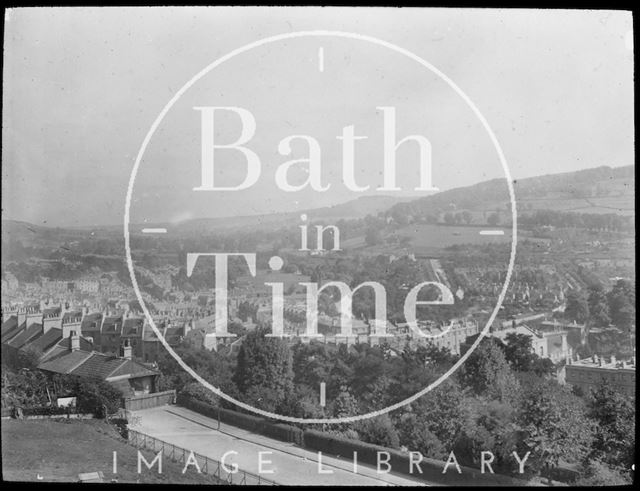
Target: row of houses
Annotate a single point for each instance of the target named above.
(63, 350)
(107, 330)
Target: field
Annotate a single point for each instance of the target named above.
(60, 450)
(427, 238)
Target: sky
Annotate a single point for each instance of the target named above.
(82, 87)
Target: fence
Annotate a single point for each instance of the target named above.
(209, 466)
(146, 401)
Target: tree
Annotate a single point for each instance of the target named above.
(622, 300)
(95, 394)
(487, 426)
(441, 411)
(379, 431)
(614, 441)
(29, 357)
(418, 437)
(553, 425)
(598, 306)
(345, 404)
(449, 218)
(264, 371)
(577, 308)
(372, 236)
(493, 219)
(518, 351)
(597, 473)
(487, 372)
(195, 390)
(467, 217)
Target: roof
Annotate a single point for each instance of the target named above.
(65, 364)
(520, 329)
(148, 334)
(173, 334)
(52, 311)
(98, 365)
(132, 369)
(25, 335)
(46, 340)
(91, 322)
(70, 316)
(9, 328)
(105, 367)
(62, 347)
(132, 327)
(112, 324)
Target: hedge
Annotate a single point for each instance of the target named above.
(255, 424)
(400, 461)
(47, 411)
(330, 444)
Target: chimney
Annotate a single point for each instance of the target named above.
(613, 360)
(22, 315)
(126, 350)
(75, 341)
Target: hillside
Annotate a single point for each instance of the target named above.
(602, 190)
(59, 450)
(595, 191)
(356, 208)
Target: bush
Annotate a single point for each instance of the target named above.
(196, 391)
(249, 422)
(46, 411)
(95, 395)
(121, 427)
(284, 432)
(379, 431)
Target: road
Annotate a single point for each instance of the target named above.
(291, 464)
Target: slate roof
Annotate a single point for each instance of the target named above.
(45, 341)
(25, 336)
(69, 316)
(65, 364)
(62, 347)
(91, 322)
(112, 325)
(51, 311)
(98, 365)
(9, 328)
(132, 327)
(132, 369)
(173, 334)
(149, 335)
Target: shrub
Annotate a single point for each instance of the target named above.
(46, 411)
(379, 431)
(95, 395)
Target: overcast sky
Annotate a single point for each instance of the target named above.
(83, 86)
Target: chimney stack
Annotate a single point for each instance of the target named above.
(126, 350)
(613, 360)
(75, 341)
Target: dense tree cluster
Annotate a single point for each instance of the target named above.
(602, 308)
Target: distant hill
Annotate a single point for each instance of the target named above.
(357, 208)
(598, 190)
